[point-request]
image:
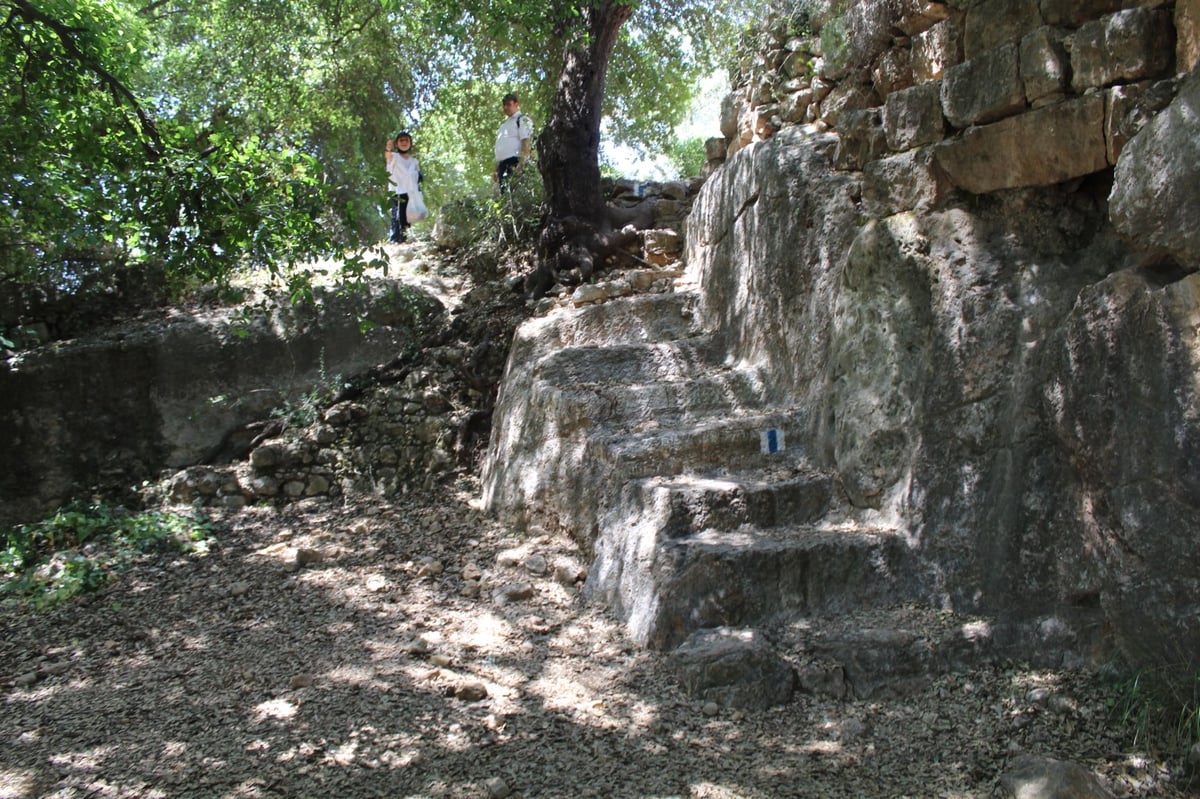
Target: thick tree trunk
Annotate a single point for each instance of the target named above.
(576, 230)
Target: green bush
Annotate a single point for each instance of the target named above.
(84, 546)
(485, 226)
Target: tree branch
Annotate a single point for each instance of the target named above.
(359, 28)
(66, 35)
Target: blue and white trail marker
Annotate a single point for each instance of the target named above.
(772, 441)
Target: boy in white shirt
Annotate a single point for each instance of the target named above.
(404, 178)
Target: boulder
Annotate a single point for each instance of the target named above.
(1156, 183)
(1036, 777)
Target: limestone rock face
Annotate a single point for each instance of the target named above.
(1121, 398)
(1156, 187)
(926, 352)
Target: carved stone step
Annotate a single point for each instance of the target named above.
(667, 588)
(642, 362)
(717, 442)
(632, 407)
(683, 505)
(641, 318)
(884, 652)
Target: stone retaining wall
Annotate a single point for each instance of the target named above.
(987, 96)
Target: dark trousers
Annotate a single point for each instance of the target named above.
(504, 169)
(399, 216)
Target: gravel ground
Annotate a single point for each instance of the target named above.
(417, 649)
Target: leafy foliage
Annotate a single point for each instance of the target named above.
(163, 146)
(1160, 707)
(85, 546)
(486, 225)
(687, 156)
(308, 407)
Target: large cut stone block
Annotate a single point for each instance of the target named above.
(1045, 64)
(914, 117)
(984, 89)
(893, 71)
(1125, 46)
(845, 97)
(937, 49)
(998, 22)
(1040, 148)
(862, 139)
(904, 182)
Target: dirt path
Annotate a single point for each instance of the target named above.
(380, 668)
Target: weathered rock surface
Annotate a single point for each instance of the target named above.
(166, 393)
(1156, 185)
(1035, 777)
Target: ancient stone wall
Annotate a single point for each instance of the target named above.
(963, 239)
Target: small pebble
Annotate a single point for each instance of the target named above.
(497, 788)
(307, 557)
(430, 567)
(471, 692)
(512, 592)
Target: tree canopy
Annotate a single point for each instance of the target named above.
(174, 140)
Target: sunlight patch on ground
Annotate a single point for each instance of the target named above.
(41, 693)
(173, 749)
(86, 760)
(486, 632)
(710, 790)
(16, 784)
(280, 709)
(357, 676)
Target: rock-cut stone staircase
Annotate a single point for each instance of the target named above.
(624, 424)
